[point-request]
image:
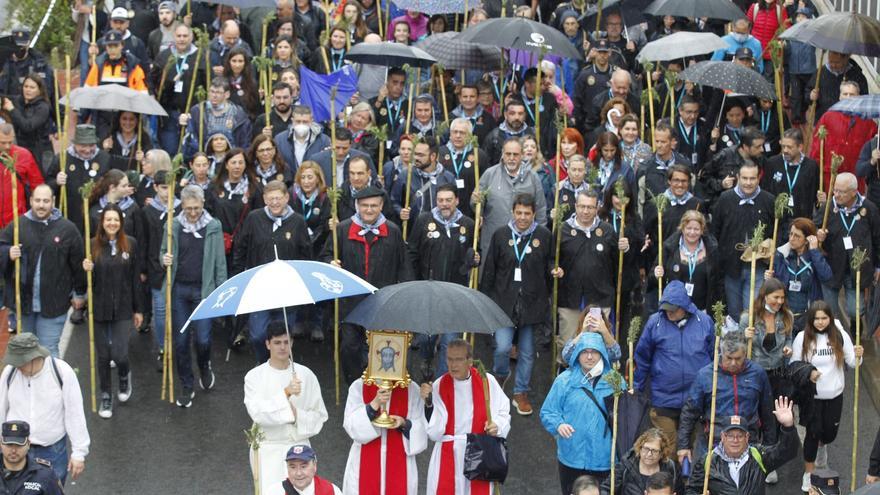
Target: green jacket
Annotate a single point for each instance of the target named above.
(213, 262)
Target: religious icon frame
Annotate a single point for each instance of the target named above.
(376, 374)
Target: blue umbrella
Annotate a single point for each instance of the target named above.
(431, 7)
(865, 106)
(279, 284)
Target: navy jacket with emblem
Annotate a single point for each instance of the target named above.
(37, 478)
(440, 254)
(804, 191)
(589, 265)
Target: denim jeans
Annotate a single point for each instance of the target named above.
(427, 344)
(737, 290)
(47, 330)
(158, 317)
(831, 296)
(257, 324)
(186, 298)
(169, 132)
(55, 454)
(526, 346)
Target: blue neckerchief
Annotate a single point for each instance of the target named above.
(734, 132)
(517, 237)
(674, 201)
(373, 228)
(692, 257)
(277, 221)
(447, 224)
(124, 204)
(307, 203)
(572, 222)
(54, 215)
(457, 164)
(743, 199)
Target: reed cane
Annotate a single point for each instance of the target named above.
(558, 215)
(333, 194)
(442, 75)
(754, 244)
(836, 161)
(478, 219)
(649, 69)
(617, 387)
(780, 208)
(409, 174)
(168, 361)
(661, 202)
(822, 134)
(538, 100)
(718, 312)
(255, 437)
(85, 191)
(9, 163)
(775, 47)
(624, 201)
(859, 256)
(381, 135)
(811, 112)
(600, 4)
(635, 328)
(192, 86)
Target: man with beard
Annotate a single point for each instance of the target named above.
(426, 177)
(22, 471)
(513, 126)
(719, 175)
(460, 158)
(279, 117)
(175, 83)
(23, 61)
(301, 140)
(373, 249)
(163, 36)
(345, 155)
(85, 162)
(792, 173)
(469, 108)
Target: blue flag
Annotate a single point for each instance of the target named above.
(316, 88)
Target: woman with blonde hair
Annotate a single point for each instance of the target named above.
(360, 119)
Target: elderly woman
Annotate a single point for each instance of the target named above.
(691, 258)
(198, 266)
(650, 454)
(360, 120)
(574, 412)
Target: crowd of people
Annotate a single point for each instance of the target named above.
(586, 224)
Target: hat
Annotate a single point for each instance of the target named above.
(85, 134)
(824, 480)
(765, 249)
(369, 192)
(735, 423)
(668, 306)
(301, 453)
(119, 13)
(21, 36)
(15, 432)
(112, 36)
(22, 349)
(744, 52)
(167, 5)
(602, 46)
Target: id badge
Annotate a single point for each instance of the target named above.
(517, 274)
(794, 285)
(791, 201)
(767, 148)
(459, 183)
(178, 86)
(694, 158)
(389, 144)
(847, 243)
(689, 288)
(311, 233)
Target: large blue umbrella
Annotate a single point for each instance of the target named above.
(279, 284)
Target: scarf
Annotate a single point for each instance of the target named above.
(691, 257)
(374, 227)
(268, 174)
(162, 206)
(126, 145)
(746, 200)
(675, 201)
(448, 224)
(276, 221)
(516, 233)
(240, 189)
(587, 230)
(113, 249)
(124, 204)
(72, 152)
(606, 168)
(511, 133)
(664, 164)
(566, 184)
(446, 479)
(370, 479)
(852, 209)
(194, 228)
(54, 215)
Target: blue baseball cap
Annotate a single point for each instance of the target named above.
(301, 453)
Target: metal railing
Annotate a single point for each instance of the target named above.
(871, 8)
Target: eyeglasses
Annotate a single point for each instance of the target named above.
(265, 150)
(648, 451)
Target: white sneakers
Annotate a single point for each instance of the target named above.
(805, 483)
(822, 457)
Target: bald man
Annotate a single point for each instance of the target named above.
(620, 85)
(229, 38)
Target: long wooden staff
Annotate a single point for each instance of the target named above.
(859, 256)
(558, 217)
(94, 21)
(478, 217)
(661, 202)
(192, 85)
(776, 55)
(635, 328)
(56, 59)
(255, 437)
(780, 207)
(9, 163)
(441, 74)
(822, 134)
(168, 361)
(538, 94)
(617, 387)
(86, 191)
(600, 4)
(755, 245)
(333, 193)
(65, 138)
(649, 69)
(836, 161)
(718, 312)
(811, 112)
(410, 167)
(624, 201)
(381, 135)
(379, 15)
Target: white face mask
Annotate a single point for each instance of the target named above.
(301, 130)
(740, 37)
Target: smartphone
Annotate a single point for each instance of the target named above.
(686, 467)
(596, 313)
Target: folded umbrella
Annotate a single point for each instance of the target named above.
(429, 307)
(730, 76)
(842, 32)
(453, 53)
(678, 45)
(390, 54)
(521, 34)
(114, 98)
(712, 9)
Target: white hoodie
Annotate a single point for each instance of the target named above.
(831, 382)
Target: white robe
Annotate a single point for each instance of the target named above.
(464, 413)
(268, 406)
(358, 426)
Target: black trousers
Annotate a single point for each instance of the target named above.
(111, 342)
(823, 428)
(568, 475)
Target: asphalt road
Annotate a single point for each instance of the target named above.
(152, 447)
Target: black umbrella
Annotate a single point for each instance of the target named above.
(456, 54)
(842, 32)
(633, 419)
(429, 307)
(521, 34)
(713, 9)
(630, 11)
(730, 76)
(389, 54)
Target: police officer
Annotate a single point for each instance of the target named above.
(23, 473)
(23, 61)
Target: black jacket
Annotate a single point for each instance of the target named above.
(708, 288)
(752, 474)
(257, 242)
(116, 287)
(173, 100)
(589, 265)
(466, 172)
(440, 254)
(59, 248)
(691, 149)
(154, 234)
(671, 221)
(629, 481)
(733, 223)
(39, 477)
(33, 123)
(865, 234)
(725, 163)
(526, 302)
(495, 141)
(77, 175)
(316, 216)
(803, 194)
(874, 466)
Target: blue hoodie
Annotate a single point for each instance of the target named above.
(590, 444)
(672, 355)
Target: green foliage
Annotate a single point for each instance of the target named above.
(780, 206)
(59, 27)
(615, 380)
(86, 190)
(757, 237)
(859, 256)
(255, 436)
(718, 314)
(635, 328)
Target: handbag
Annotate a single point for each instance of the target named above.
(485, 458)
(227, 237)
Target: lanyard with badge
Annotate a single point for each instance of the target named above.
(766, 118)
(693, 145)
(791, 182)
(337, 56)
(692, 258)
(514, 241)
(457, 165)
(795, 284)
(393, 116)
(847, 240)
(529, 107)
(181, 66)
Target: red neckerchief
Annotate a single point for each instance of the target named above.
(353, 236)
(370, 479)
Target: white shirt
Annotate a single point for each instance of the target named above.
(831, 382)
(310, 490)
(51, 411)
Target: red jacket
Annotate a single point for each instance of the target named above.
(28, 172)
(846, 136)
(765, 23)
